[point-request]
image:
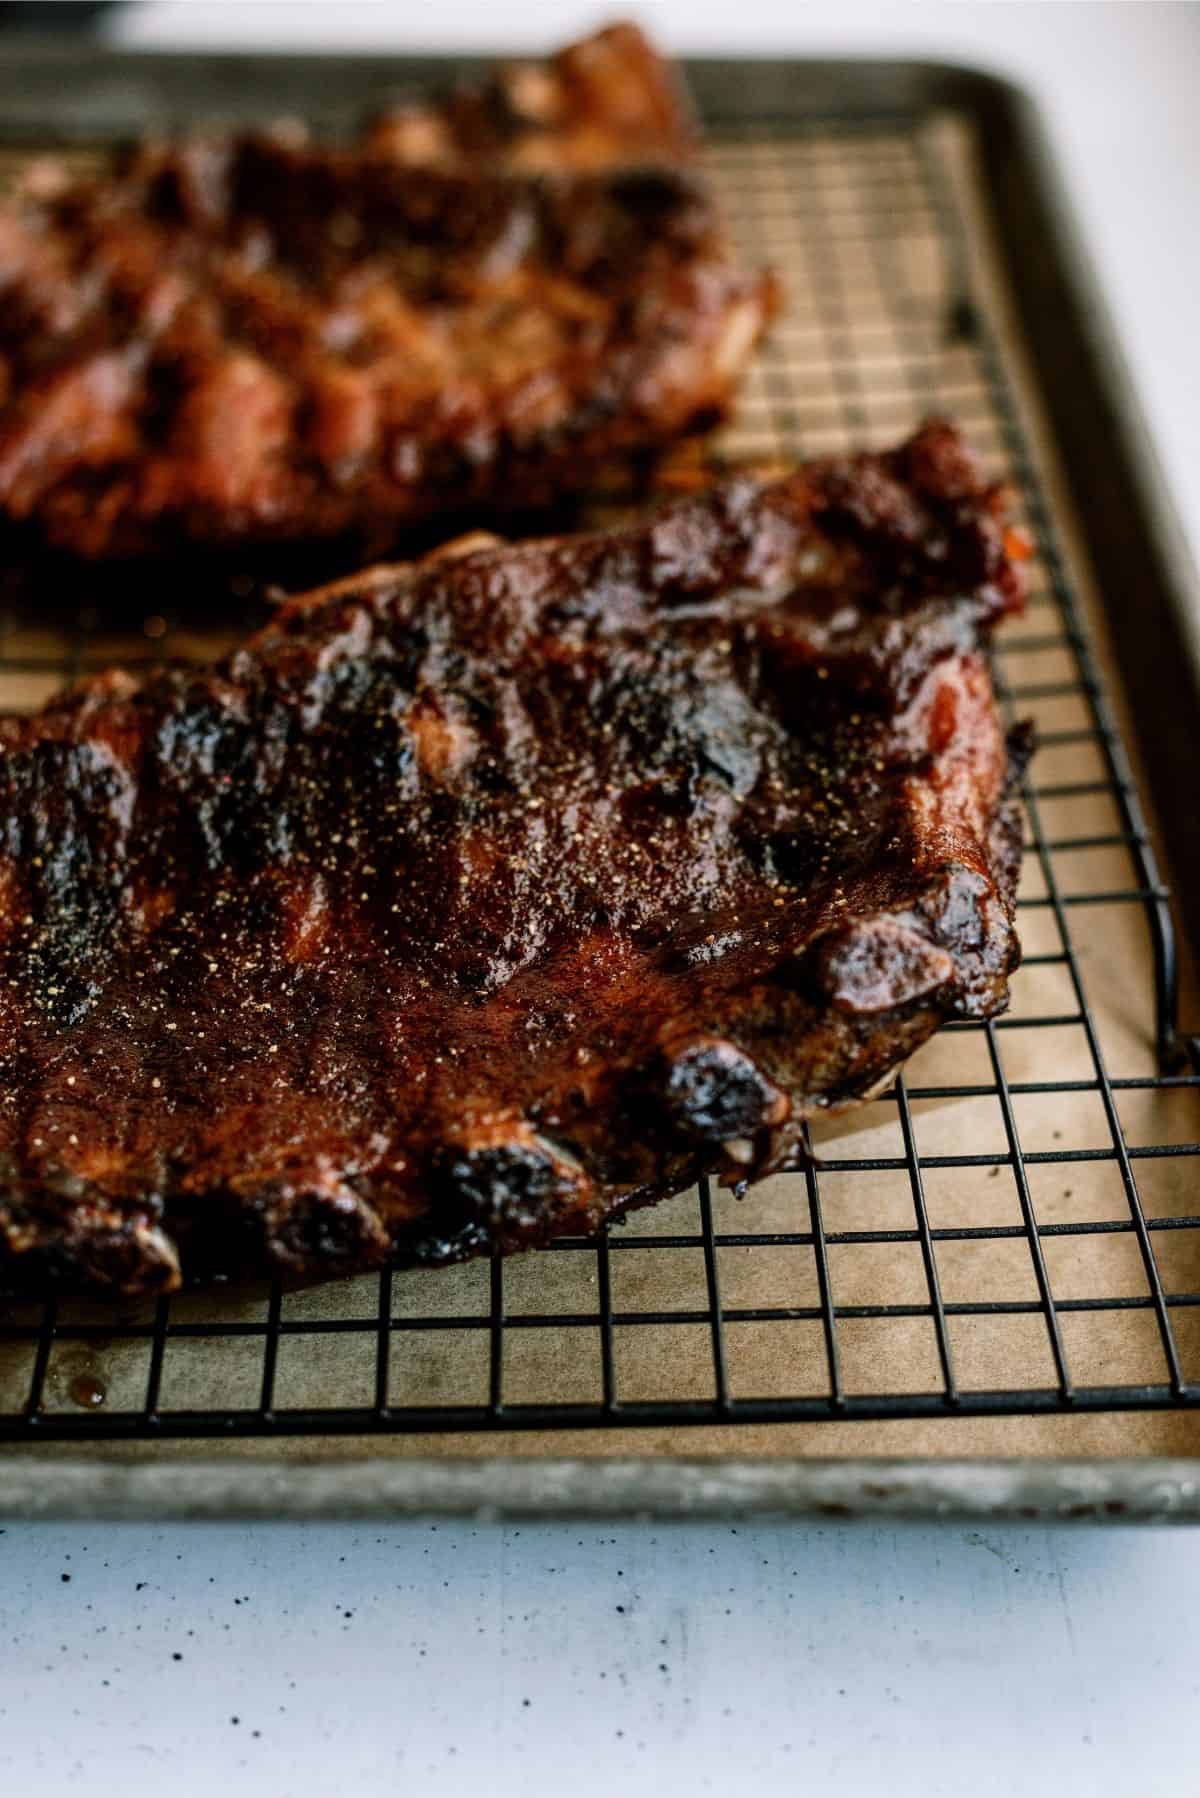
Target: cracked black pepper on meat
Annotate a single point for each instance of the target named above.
(475, 900)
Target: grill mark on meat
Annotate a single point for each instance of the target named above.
(475, 900)
(239, 341)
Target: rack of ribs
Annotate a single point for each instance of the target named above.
(482, 305)
(477, 899)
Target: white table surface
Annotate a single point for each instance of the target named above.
(290, 1662)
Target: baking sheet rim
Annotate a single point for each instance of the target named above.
(1150, 1490)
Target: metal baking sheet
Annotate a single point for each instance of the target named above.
(985, 1301)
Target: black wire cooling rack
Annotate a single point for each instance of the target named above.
(1052, 1264)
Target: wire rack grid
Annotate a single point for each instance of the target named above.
(1011, 1229)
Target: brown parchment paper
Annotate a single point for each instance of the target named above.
(861, 352)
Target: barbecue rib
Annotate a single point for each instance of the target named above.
(475, 900)
(608, 100)
(242, 341)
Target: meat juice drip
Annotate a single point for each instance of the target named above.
(88, 1392)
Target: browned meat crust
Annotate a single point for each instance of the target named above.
(473, 901)
(608, 100)
(250, 340)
